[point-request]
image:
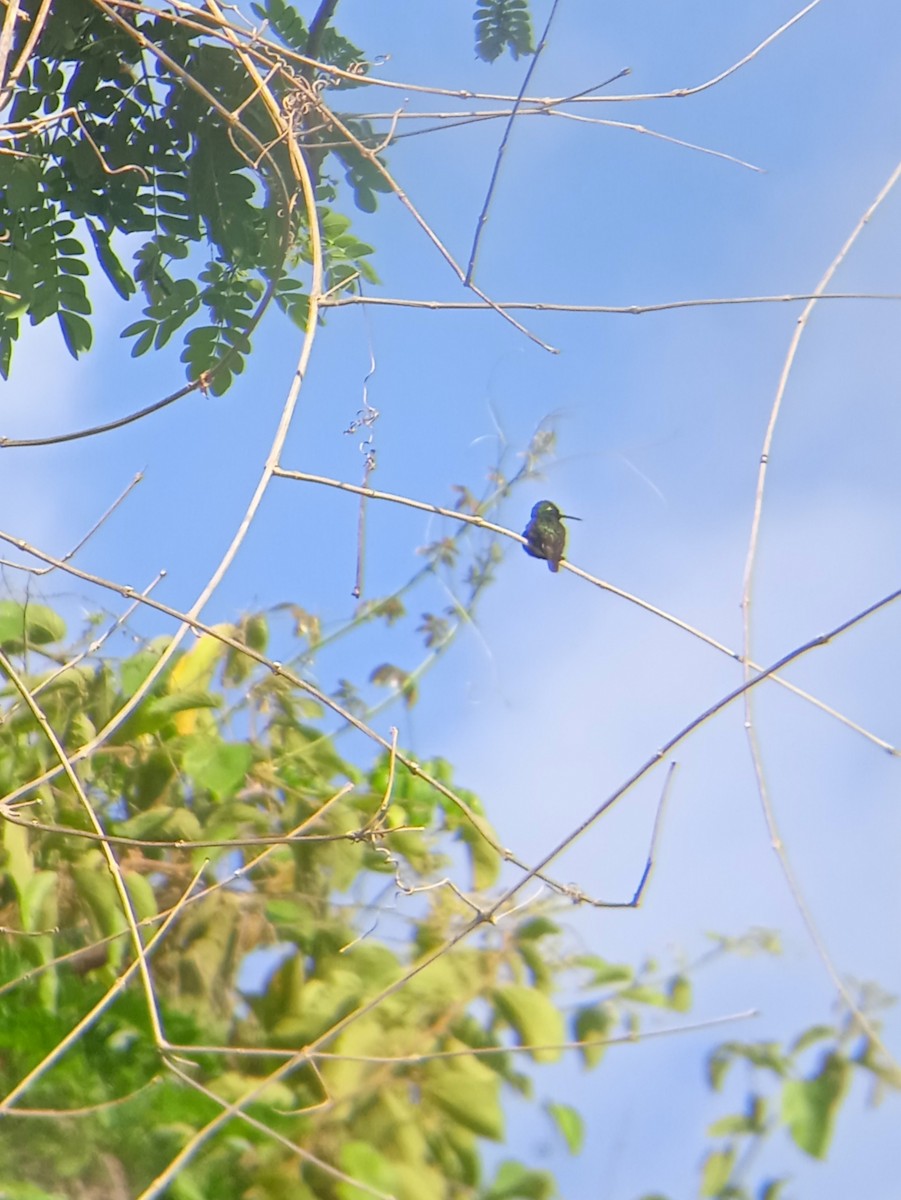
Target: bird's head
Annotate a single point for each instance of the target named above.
(546, 510)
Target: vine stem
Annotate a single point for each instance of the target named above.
(776, 842)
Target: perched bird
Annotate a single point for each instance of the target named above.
(545, 534)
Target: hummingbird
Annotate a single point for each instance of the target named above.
(545, 535)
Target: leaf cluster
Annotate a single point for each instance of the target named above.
(790, 1090)
(503, 25)
(146, 139)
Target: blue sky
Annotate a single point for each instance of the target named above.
(563, 690)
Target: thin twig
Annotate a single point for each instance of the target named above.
(405, 200)
(776, 842)
(630, 310)
(35, 30)
(126, 491)
(623, 1039)
(501, 150)
(482, 523)
(455, 121)
(680, 93)
(6, 36)
(635, 902)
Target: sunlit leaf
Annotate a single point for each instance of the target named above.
(570, 1123)
(29, 624)
(468, 1092)
(535, 1019)
(513, 1181)
(810, 1106)
(716, 1171)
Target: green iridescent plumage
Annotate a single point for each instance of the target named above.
(545, 533)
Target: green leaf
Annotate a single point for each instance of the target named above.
(76, 332)
(95, 887)
(112, 267)
(143, 897)
(718, 1063)
(138, 327)
(592, 1024)
(467, 1091)
(144, 342)
(869, 1057)
(362, 1161)
(501, 25)
(29, 625)
(286, 22)
(772, 1189)
(642, 994)
(157, 712)
(730, 1126)
(485, 862)
(766, 1055)
(816, 1033)
(570, 1123)
(716, 1171)
(72, 266)
(219, 767)
(513, 1181)
(810, 1106)
(680, 994)
(39, 909)
(534, 1018)
(604, 973)
(537, 927)
(163, 822)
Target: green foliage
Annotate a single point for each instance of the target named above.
(143, 139)
(125, 145)
(421, 1059)
(218, 754)
(222, 751)
(716, 1172)
(23, 625)
(809, 1106)
(569, 1123)
(503, 25)
(784, 1094)
(514, 1182)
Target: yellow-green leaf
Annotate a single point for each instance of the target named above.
(570, 1124)
(592, 1024)
(809, 1106)
(534, 1017)
(143, 897)
(39, 902)
(469, 1092)
(219, 767)
(194, 671)
(716, 1171)
(29, 624)
(362, 1161)
(680, 994)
